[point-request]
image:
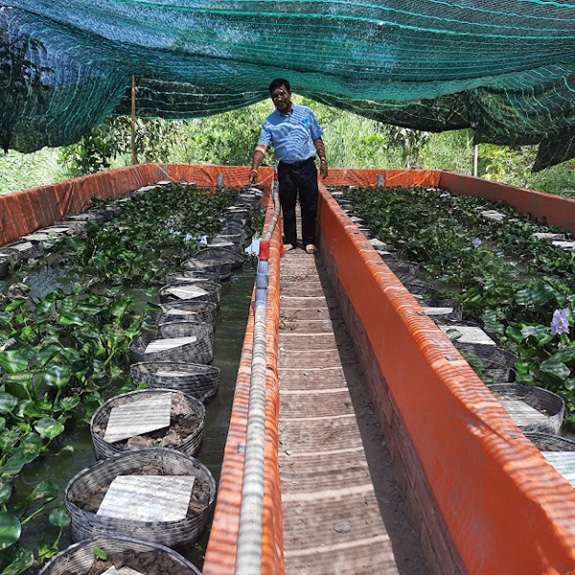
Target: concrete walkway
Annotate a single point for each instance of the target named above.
(344, 511)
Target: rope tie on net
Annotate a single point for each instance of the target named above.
(249, 550)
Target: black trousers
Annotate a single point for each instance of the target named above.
(301, 178)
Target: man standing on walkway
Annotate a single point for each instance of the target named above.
(295, 134)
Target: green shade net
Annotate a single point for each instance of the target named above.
(505, 68)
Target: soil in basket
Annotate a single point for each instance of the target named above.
(148, 562)
(183, 422)
(200, 499)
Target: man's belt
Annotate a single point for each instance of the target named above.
(298, 164)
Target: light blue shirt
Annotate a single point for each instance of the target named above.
(292, 136)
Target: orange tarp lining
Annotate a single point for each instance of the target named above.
(557, 210)
(221, 553)
(24, 212)
(506, 508)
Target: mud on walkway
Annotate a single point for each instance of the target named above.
(343, 507)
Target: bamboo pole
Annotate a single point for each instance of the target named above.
(475, 159)
(133, 136)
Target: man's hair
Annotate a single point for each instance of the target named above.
(278, 83)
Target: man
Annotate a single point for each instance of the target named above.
(295, 135)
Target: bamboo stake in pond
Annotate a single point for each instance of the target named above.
(475, 159)
(134, 158)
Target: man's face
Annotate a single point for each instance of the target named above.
(281, 97)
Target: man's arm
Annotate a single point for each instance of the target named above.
(259, 154)
(320, 148)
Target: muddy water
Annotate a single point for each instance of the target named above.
(60, 468)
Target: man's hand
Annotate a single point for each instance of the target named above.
(323, 169)
(259, 154)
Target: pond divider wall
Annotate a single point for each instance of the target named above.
(485, 498)
(221, 553)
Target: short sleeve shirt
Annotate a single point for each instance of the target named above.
(291, 135)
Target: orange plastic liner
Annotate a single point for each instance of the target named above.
(506, 508)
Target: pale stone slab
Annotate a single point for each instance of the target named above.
(493, 215)
(148, 497)
(564, 463)
(122, 571)
(139, 416)
(174, 311)
(549, 236)
(39, 237)
(522, 413)
(163, 182)
(169, 343)
(187, 291)
(570, 246)
(56, 231)
(437, 310)
(22, 247)
(469, 334)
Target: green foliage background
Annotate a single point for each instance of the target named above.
(229, 138)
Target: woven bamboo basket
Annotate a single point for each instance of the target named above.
(417, 286)
(79, 558)
(237, 240)
(550, 441)
(196, 379)
(403, 268)
(453, 309)
(496, 361)
(221, 268)
(26, 250)
(174, 327)
(233, 226)
(544, 401)
(213, 292)
(4, 267)
(232, 257)
(103, 448)
(174, 310)
(196, 275)
(94, 481)
(198, 351)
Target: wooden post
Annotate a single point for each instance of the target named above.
(475, 159)
(133, 142)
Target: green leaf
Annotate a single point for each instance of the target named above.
(48, 427)
(67, 450)
(10, 529)
(45, 491)
(554, 367)
(31, 445)
(5, 491)
(69, 403)
(100, 554)
(14, 305)
(14, 361)
(72, 319)
(22, 560)
(15, 463)
(59, 517)
(47, 353)
(7, 403)
(57, 376)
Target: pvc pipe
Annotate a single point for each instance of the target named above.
(249, 547)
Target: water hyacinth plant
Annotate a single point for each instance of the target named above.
(66, 322)
(560, 321)
(505, 276)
